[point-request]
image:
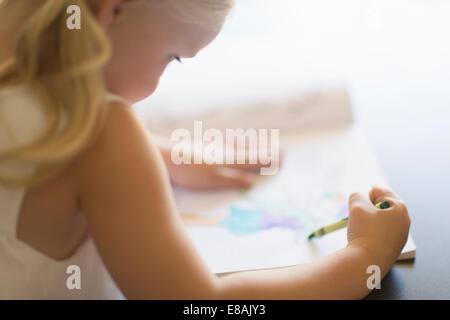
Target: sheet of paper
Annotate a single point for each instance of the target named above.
(267, 226)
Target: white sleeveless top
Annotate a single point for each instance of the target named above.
(26, 273)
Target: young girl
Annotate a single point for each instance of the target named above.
(86, 207)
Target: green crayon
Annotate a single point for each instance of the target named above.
(341, 223)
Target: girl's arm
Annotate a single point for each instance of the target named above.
(125, 194)
(340, 275)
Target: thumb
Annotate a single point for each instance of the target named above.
(358, 202)
(381, 193)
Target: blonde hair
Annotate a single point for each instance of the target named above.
(64, 68)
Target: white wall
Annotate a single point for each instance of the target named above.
(391, 54)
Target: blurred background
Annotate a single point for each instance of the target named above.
(396, 51)
(394, 58)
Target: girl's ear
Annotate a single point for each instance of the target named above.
(108, 11)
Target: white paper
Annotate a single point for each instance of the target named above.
(326, 159)
(267, 226)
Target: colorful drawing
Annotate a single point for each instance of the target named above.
(254, 214)
(242, 221)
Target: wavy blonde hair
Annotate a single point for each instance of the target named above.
(64, 68)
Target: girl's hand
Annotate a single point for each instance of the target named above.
(383, 232)
(210, 176)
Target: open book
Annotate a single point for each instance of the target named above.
(326, 158)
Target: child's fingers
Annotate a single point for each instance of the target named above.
(382, 193)
(246, 166)
(255, 166)
(232, 178)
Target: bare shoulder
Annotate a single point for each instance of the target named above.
(121, 155)
(122, 129)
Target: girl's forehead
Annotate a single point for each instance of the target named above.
(198, 30)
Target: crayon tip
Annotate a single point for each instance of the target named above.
(382, 205)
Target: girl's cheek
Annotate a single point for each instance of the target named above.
(153, 85)
(152, 81)
(158, 70)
